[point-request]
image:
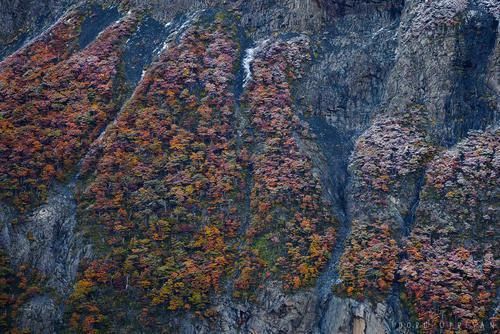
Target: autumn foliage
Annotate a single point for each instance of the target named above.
(291, 229)
(368, 266)
(452, 265)
(17, 286)
(173, 189)
(392, 151)
(392, 148)
(183, 201)
(165, 180)
(54, 101)
(200, 185)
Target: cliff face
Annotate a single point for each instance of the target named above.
(249, 166)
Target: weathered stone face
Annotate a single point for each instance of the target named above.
(211, 166)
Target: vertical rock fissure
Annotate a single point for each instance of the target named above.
(242, 127)
(409, 218)
(336, 184)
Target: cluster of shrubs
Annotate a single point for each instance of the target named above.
(451, 266)
(446, 282)
(164, 182)
(392, 150)
(369, 263)
(54, 101)
(176, 196)
(179, 197)
(291, 231)
(16, 288)
(165, 186)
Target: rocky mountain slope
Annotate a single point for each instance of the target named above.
(209, 166)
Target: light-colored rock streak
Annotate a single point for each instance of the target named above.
(249, 58)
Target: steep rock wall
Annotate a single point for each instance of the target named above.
(387, 86)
